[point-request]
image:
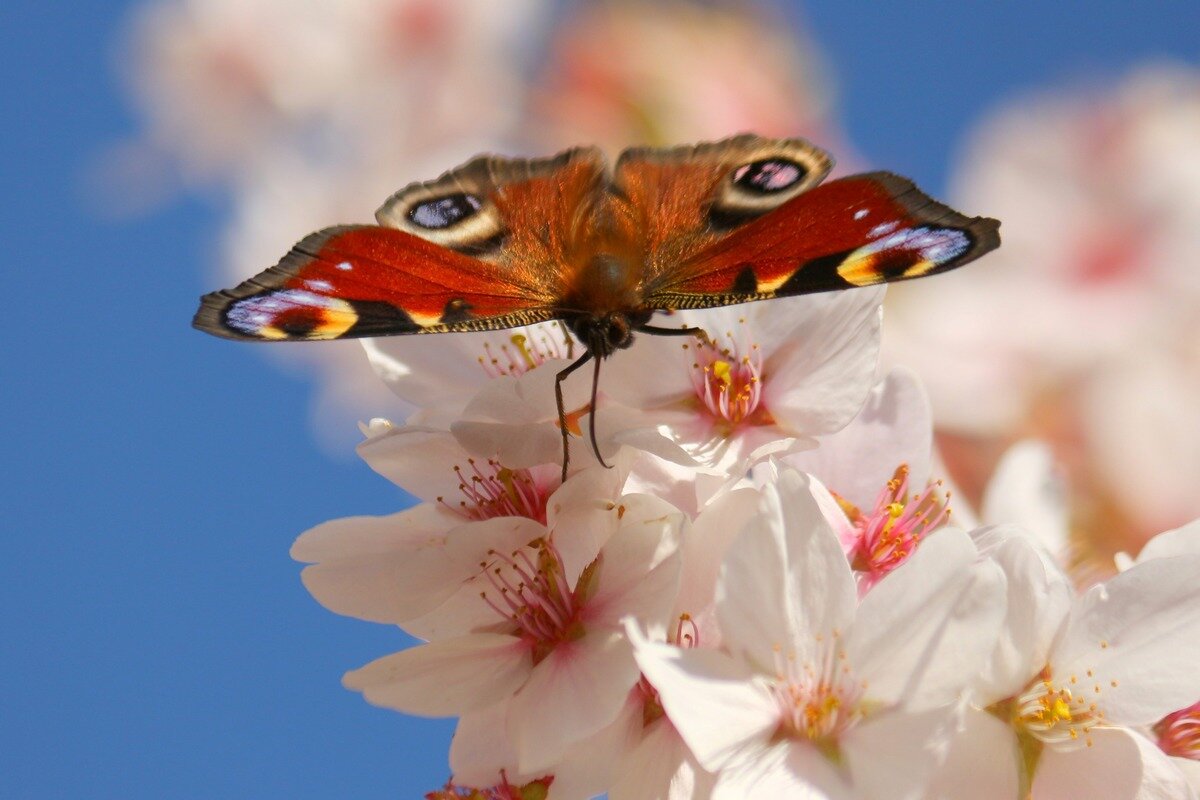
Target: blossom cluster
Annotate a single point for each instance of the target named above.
(768, 592)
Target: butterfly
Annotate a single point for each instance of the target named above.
(505, 242)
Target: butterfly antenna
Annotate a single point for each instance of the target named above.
(562, 410)
(592, 416)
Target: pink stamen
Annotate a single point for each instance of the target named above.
(728, 381)
(497, 491)
(887, 535)
(540, 605)
(1178, 734)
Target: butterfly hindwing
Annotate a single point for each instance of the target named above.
(855, 231)
(367, 280)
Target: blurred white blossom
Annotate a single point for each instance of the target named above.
(1082, 329)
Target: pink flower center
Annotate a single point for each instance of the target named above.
(530, 590)
(818, 700)
(523, 353)
(889, 533)
(493, 490)
(729, 379)
(534, 790)
(1178, 734)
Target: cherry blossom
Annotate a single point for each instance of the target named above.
(874, 478)
(542, 627)
(813, 694)
(1073, 680)
(765, 382)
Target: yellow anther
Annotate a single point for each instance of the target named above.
(721, 371)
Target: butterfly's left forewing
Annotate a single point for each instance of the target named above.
(487, 245)
(855, 231)
(366, 280)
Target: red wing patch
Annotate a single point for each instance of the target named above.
(364, 280)
(856, 231)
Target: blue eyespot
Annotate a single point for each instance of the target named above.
(445, 211)
(768, 175)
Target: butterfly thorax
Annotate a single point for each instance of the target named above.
(604, 305)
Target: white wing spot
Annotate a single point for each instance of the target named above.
(862, 212)
(345, 266)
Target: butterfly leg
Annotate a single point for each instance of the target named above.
(562, 411)
(592, 416)
(699, 333)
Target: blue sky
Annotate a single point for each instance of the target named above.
(156, 639)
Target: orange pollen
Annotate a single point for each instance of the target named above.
(728, 380)
(1178, 734)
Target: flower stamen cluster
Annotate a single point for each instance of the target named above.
(818, 699)
(1178, 734)
(523, 354)
(533, 790)
(534, 596)
(888, 534)
(1058, 714)
(728, 380)
(497, 491)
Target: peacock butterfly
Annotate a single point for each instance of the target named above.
(503, 242)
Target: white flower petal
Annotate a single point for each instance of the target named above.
(1026, 489)
(820, 373)
(638, 572)
(982, 763)
(795, 770)
(894, 427)
(418, 459)
(929, 625)
(573, 692)
(516, 445)
(444, 678)
(716, 703)
(583, 515)
(893, 756)
(1110, 769)
(1163, 777)
(661, 768)
(664, 358)
(1039, 603)
(481, 747)
(383, 569)
(704, 545)
(1178, 542)
(425, 370)
(1140, 630)
(786, 576)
